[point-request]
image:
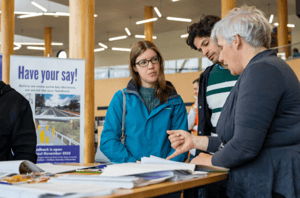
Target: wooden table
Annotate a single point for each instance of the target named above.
(165, 187)
(168, 187)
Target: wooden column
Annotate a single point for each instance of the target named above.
(76, 29)
(149, 26)
(227, 5)
(7, 36)
(82, 44)
(282, 35)
(48, 41)
(89, 128)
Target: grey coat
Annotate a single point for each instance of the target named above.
(260, 128)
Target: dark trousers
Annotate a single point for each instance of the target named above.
(171, 195)
(215, 190)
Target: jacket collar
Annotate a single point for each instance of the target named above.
(262, 54)
(132, 87)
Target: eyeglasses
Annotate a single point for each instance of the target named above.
(145, 62)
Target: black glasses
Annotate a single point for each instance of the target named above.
(145, 62)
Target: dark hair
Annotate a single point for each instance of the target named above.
(295, 50)
(197, 80)
(201, 29)
(162, 90)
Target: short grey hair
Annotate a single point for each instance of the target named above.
(247, 22)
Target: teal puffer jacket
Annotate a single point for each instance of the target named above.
(145, 133)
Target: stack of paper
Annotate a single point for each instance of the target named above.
(13, 167)
(154, 167)
(40, 190)
(126, 182)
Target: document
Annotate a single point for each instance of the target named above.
(154, 167)
(125, 182)
(14, 167)
(56, 169)
(8, 168)
(43, 190)
(199, 169)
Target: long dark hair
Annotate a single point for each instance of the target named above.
(162, 90)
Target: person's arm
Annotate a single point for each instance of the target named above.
(179, 121)
(110, 143)
(191, 117)
(213, 144)
(183, 141)
(24, 138)
(259, 93)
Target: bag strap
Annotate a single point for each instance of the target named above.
(123, 119)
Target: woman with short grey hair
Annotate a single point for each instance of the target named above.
(260, 121)
(247, 22)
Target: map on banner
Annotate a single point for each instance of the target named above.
(55, 90)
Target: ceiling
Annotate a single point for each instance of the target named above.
(115, 15)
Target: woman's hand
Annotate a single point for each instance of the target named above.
(203, 159)
(181, 141)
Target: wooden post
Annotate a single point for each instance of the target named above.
(76, 29)
(82, 44)
(48, 41)
(227, 5)
(149, 26)
(7, 36)
(282, 36)
(89, 128)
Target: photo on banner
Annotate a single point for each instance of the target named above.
(55, 90)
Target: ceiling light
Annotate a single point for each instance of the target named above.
(146, 21)
(288, 25)
(30, 15)
(17, 48)
(17, 44)
(127, 31)
(38, 6)
(121, 49)
(117, 38)
(95, 15)
(53, 43)
(102, 45)
(291, 25)
(35, 48)
(29, 43)
(20, 12)
(157, 11)
(57, 14)
(179, 19)
(271, 18)
(99, 49)
(175, 0)
(184, 35)
(143, 36)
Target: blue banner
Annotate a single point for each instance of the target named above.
(58, 154)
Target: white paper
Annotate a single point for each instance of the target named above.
(55, 169)
(13, 167)
(40, 189)
(68, 187)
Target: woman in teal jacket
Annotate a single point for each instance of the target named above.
(152, 107)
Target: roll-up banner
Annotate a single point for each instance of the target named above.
(55, 90)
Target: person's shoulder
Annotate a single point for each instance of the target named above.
(14, 97)
(119, 94)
